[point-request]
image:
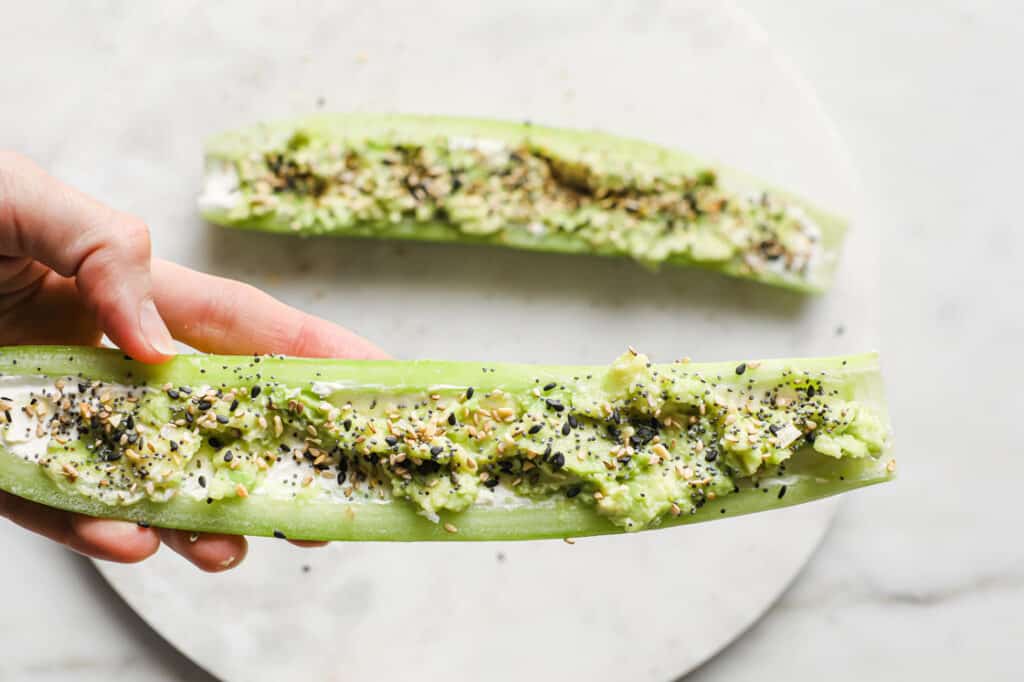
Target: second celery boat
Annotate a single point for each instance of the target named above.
(526, 186)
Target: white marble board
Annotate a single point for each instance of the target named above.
(147, 85)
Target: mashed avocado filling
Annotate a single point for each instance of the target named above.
(524, 189)
(634, 443)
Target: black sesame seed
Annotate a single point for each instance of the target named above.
(491, 482)
(774, 429)
(254, 392)
(711, 456)
(428, 466)
(215, 442)
(741, 368)
(535, 429)
(347, 424)
(284, 449)
(234, 406)
(548, 387)
(572, 421)
(554, 405)
(228, 456)
(566, 429)
(436, 450)
(810, 391)
(202, 481)
(573, 491)
(172, 394)
(644, 435)
(109, 455)
(174, 446)
(185, 389)
(221, 419)
(451, 419)
(782, 492)
(341, 477)
(469, 393)
(204, 404)
(391, 440)
(558, 461)
(279, 535)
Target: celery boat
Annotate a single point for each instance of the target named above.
(519, 185)
(423, 450)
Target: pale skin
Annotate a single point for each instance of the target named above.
(73, 269)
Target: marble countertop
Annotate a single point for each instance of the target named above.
(920, 580)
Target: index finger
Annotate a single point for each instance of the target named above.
(218, 315)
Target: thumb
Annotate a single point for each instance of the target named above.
(107, 252)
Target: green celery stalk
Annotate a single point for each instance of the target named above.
(628, 162)
(809, 475)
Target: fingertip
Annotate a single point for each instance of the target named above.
(120, 541)
(313, 337)
(210, 552)
(308, 544)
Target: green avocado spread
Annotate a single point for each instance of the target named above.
(634, 442)
(518, 193)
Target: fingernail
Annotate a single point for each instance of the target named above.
(154, 329)
(120, 529)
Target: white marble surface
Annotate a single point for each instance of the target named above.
(926, 583)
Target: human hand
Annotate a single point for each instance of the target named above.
(72, 269)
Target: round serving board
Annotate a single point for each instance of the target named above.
(696, 75)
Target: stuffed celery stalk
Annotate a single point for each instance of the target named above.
(518, 185)
(422, 450)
